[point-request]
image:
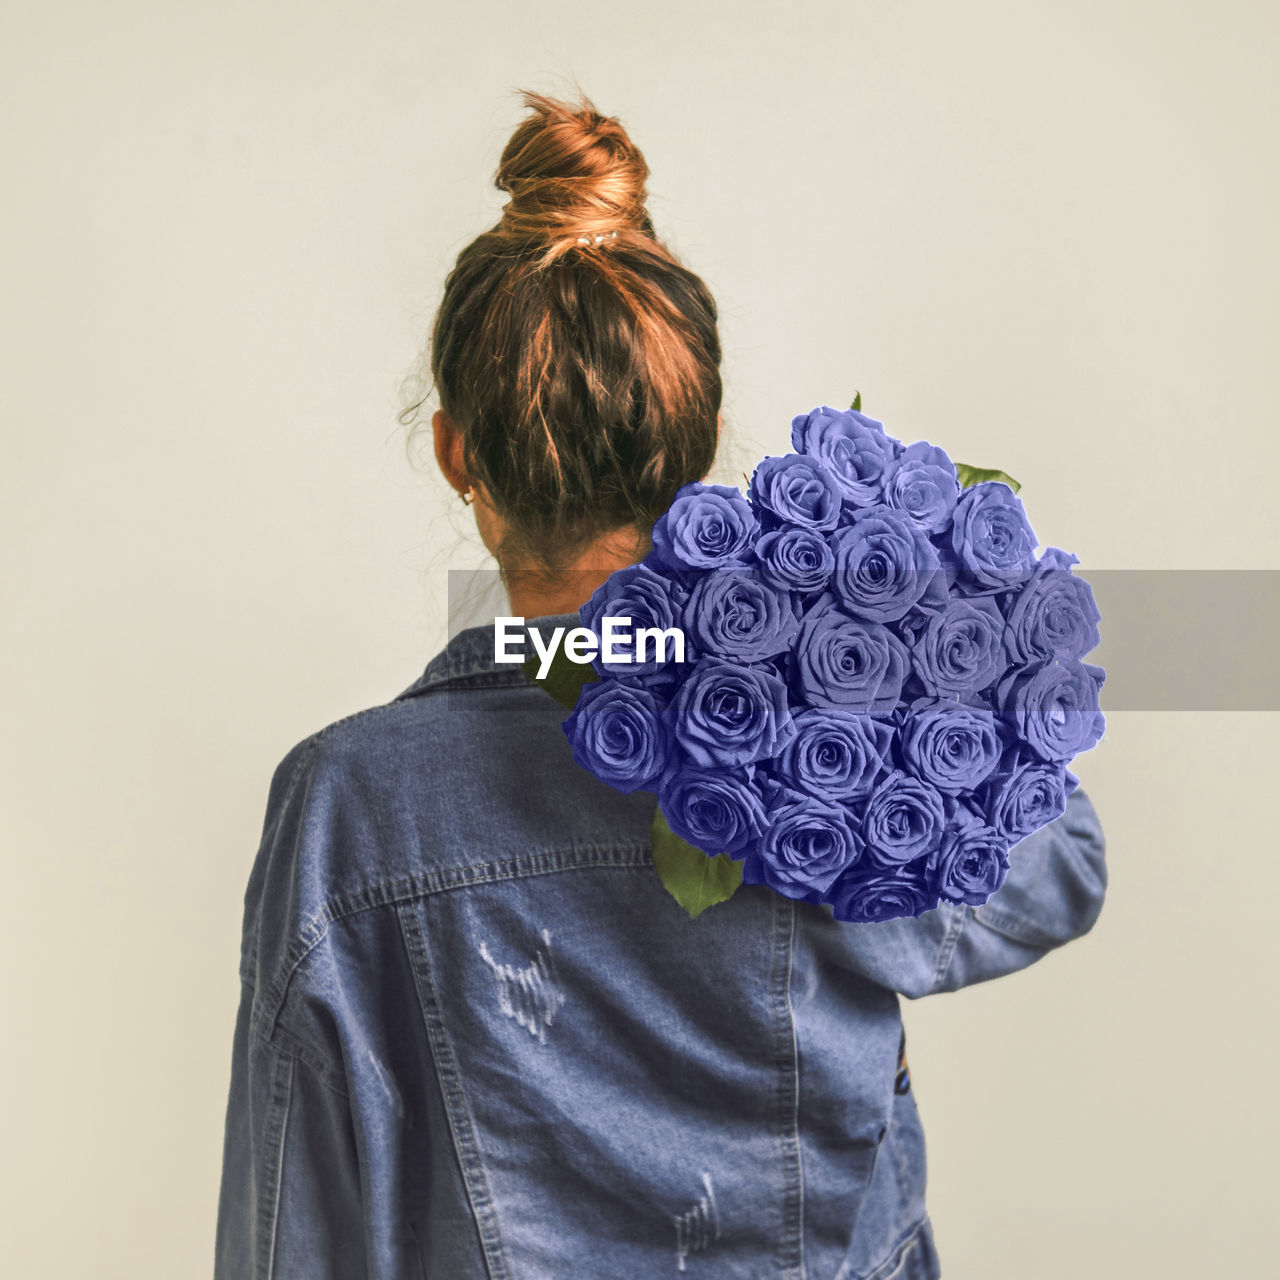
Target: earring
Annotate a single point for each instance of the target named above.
(467, 497)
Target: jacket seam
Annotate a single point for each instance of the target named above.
(289, 1044)
(465, 1145)
(304, 758)
(898, 1153)
(898, 1251)
(948, 946)
(788, 1091)
(394, 892)
(277, 1127)
(249, 944)
(1013, 927)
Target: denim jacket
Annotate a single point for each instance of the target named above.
(478, 1038)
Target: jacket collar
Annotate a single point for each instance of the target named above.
(471, 653)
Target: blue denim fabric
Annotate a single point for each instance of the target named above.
(477, 1038)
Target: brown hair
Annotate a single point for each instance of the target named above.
(584, 377)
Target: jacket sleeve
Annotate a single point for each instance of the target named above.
(1052, 893)
(290, 1203)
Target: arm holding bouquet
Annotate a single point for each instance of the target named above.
(1053, 893)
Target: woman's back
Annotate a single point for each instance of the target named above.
(478, 1038)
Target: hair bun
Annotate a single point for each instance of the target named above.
(571, 172)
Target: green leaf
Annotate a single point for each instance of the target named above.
(693, 879)
(856, 406)
(976, 475)
(564, 678)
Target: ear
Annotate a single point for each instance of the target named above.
(449, 454)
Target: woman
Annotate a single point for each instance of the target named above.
(477, 1037)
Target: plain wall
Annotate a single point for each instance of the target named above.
(1042, 236)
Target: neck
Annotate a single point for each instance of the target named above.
(534, 593)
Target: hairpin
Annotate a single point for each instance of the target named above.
(599, 239)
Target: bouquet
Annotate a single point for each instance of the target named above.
(881, 685)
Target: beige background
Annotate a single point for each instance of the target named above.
(1041, 235)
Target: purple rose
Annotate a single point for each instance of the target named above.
(884, 564)
(805, 846)
(717, 810)
(923, 485)
(1054, 615)
(730, 715)
(1054, 707)
(870, 895)
(796, 490)
(616, 732)
(904, 818)
(951, 747)
(970, 862)
(853, 447)
(733, 614)
(991, 536)
(707, 526)
(835, 755)
(1026, 794)
(961, 649)
(795, 560)
(649, 600)
(845, 664)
